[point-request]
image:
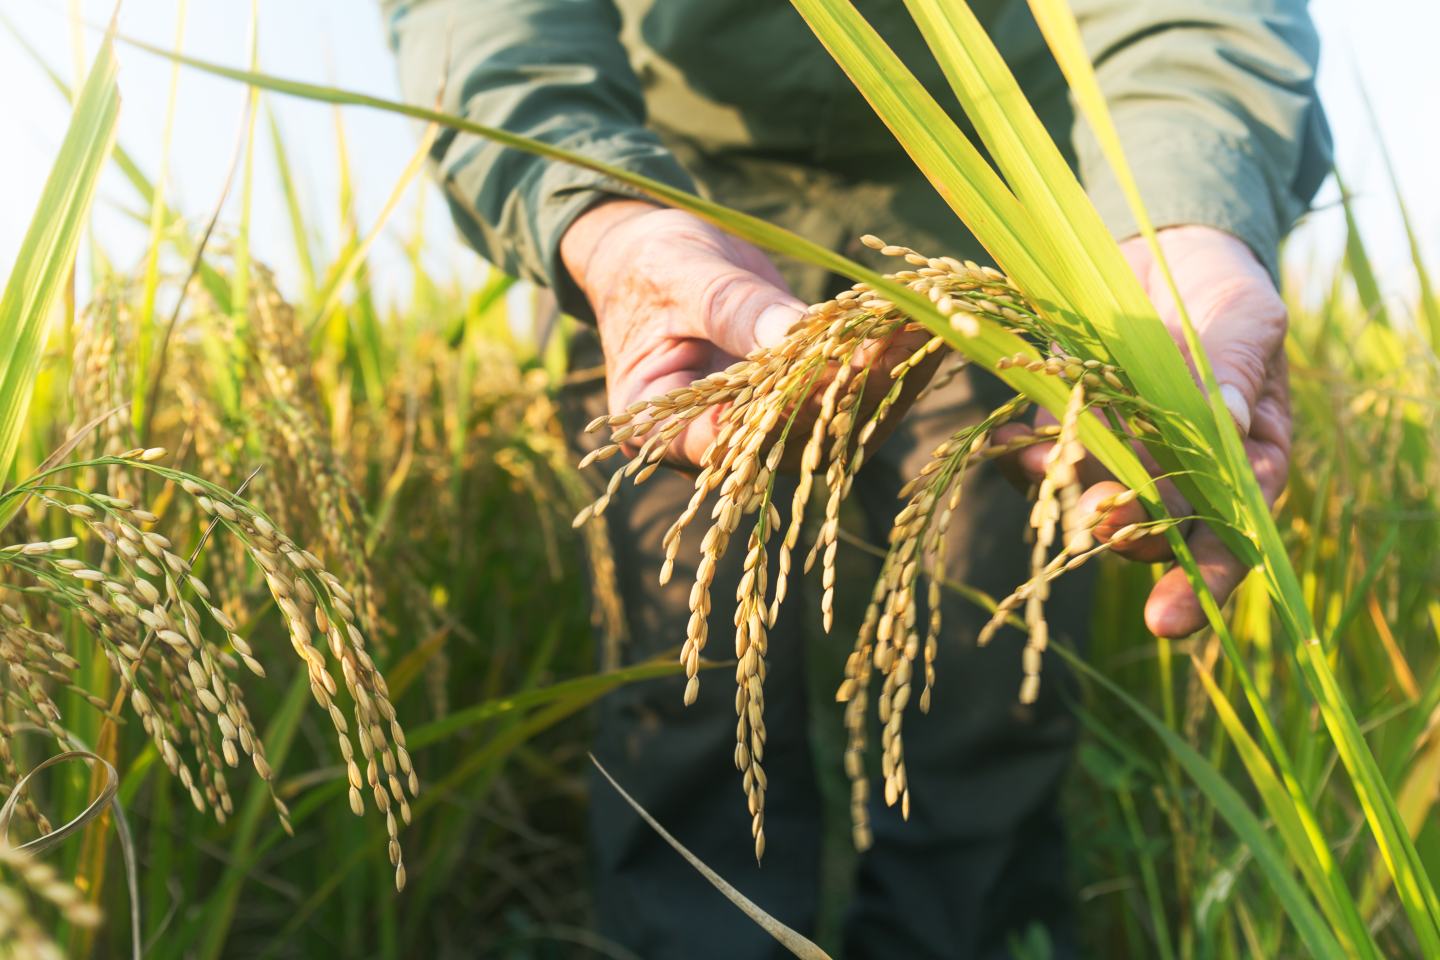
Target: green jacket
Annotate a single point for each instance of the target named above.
(1215, 101)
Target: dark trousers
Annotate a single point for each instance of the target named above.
(981, 858)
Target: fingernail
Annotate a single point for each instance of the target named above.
(774, 323)
(1239, 409)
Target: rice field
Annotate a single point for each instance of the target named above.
(267, 694)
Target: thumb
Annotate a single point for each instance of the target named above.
(1241, 332)
(1238, 313)
(743, 312)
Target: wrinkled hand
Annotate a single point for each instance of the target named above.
(676, 299)
(1241, 321)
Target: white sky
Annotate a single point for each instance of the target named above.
(1388, 42)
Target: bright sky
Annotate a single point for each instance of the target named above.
(1390, 43)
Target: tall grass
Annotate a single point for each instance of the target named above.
(1263, 786)
(378, 442)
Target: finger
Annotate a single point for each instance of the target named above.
(1109, 518)
(1106, 517)
(688, 448)
(1138, 256)
(1031, 460)
(1241, 328)
(1173, 610)
(899, 348)
(741, 311)
(1270, 434)
(1023, 467)
(670, 366)
(883, 355)
(1240, 318)
(1237, 311)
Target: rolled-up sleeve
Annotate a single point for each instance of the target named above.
(553, 70)
(1217, 110)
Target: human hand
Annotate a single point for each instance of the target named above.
(676, 299)
(1241, 322)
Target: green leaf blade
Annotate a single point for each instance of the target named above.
(48, 251)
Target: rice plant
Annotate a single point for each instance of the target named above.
(160, 613)
(1263, 788)
(824, 370)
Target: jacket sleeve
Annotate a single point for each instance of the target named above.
(1216, 106)
(554, 70)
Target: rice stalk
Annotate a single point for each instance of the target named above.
(178, 654)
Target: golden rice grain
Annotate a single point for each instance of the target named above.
(822, 367)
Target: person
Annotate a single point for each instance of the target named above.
(1215, 101)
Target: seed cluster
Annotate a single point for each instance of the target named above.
(148, 609)
(889, 638)
(20, 934)
(466, 430)
(824, 381)
(34, 659)
(325, 509)
(315, 603)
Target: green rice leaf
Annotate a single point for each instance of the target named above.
(1313, 931)
(145, 327)
(987, 348)
(1297, 828)
(1247, 502)
(48, 251)
(299, 229)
